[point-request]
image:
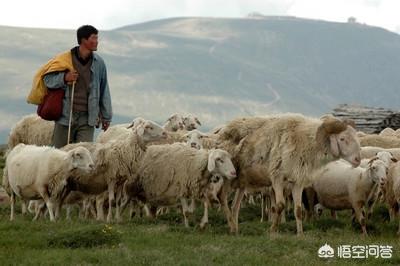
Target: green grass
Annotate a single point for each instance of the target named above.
(166, 242)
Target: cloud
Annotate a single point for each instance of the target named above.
(383, 13)
(116, 13)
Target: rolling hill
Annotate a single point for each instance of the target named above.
(217, 68)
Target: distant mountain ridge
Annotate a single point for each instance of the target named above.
(218, 68)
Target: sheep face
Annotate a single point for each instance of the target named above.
(346, 145)
(150, 131)
(377, 171)
(191, 122)
(386, 157)
(81, 159)
(340, 138)
(174, 123)
(194, 139)
(219, 162)
(318, 208)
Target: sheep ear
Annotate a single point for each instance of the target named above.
(329, 126)
(394, 160)
(131, 125)
(334, 145)
(211, 161)
(197, 121)
(174, 116)
(350, 122)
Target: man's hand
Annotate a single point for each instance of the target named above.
(70, 77)
(105, 125)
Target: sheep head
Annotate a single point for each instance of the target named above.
(174, 123)
(150, 131)
(339, 137)
(194, 139)
(377, 171)
(219, 162)
(81, 159)
(191, 122)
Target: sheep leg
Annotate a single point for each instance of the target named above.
(86, 208)
(236, 206)
(111, 199)
(12, 204)
(398, 203)
(68, 213)
(92, 208)
(40, 209)
(297, 192)
(310, 198)
(269, 198)
(50, 205)
(60, 202)
(192, 205)
(360, 216)
(23, 207)
(262, 208)
(204, 219)
(278, 207)
(132, 211)
(118, 200)
(223, 199)
(100, 207)
(251, 200)
(392, 212)
(371, 200)
(152, 211)
(125, 199)
(185, 212)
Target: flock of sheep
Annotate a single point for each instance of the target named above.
(286, 158)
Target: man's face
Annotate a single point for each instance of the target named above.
(91, 43)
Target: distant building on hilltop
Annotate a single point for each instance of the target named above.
(351, 20)
(369, 119)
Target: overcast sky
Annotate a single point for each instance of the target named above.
(110, 14)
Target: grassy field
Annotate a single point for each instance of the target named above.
(166, 242)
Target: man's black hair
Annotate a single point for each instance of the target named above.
(84, 32)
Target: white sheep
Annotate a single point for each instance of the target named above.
(340, 186)
(117, 131)
(194, 139)
(191, 122)
(34, 172)
(115, 161)
(169, 173)
(378, 191)
(392, 191)
(370, 151)
(285, 148)
(383, 155)
(380, 141)
(31, 129)
(387, 132)
(174, 123)
(198, 140)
